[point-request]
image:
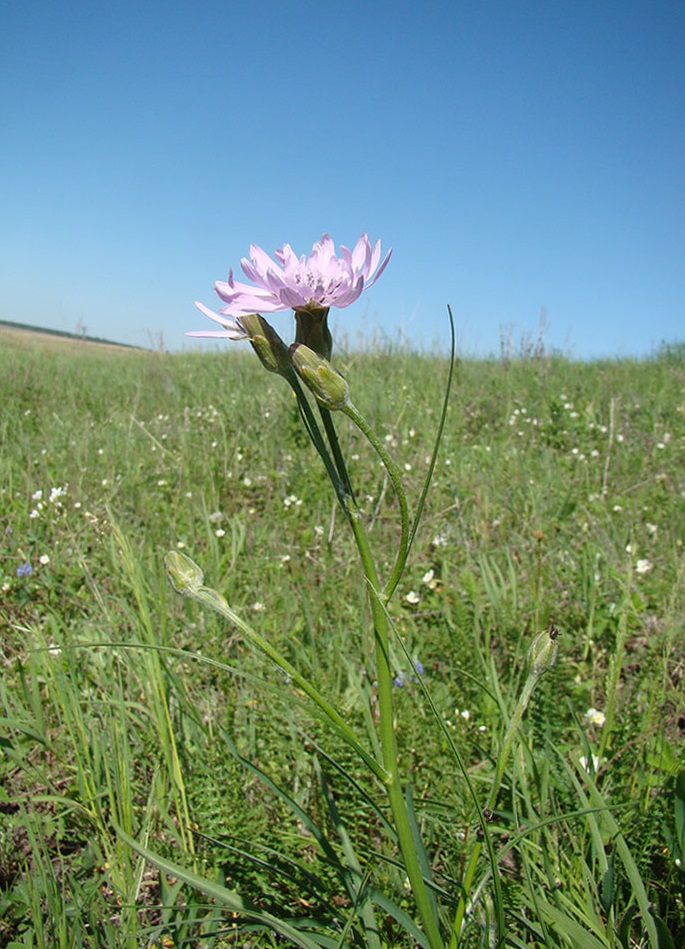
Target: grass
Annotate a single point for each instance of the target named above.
(558, 497)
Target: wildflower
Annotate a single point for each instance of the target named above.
(591, 764)
(412, 597)
(220, 532)
(643, 566)
(44, 559)
(24, 569)
(594, 717)
(308, 285)
(54, 649)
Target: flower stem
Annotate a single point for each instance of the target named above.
(393, 471)
(389, 742)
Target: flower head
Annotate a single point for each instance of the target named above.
(316, 282)
(24, 569)
(594, 716)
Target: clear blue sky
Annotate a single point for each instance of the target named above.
(517, 154)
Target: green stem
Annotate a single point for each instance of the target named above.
(389, 743)
(314, 432)
(337, 453)
(396, 478)
(208, 597)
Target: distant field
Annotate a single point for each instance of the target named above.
(21, 336)
(559, 496)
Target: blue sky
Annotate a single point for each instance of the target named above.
(519, 156)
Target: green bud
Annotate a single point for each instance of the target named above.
(543, 652)
(272, 351)
(185, 575)
(325, 382)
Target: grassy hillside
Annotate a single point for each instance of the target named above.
(558, 497)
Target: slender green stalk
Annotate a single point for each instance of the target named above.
(186, 578)
(393, 471)
(389, 743)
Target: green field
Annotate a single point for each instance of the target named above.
(129, 712)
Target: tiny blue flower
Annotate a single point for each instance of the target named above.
(399, 680)
(24, 569)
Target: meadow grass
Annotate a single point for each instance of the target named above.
(131, 713)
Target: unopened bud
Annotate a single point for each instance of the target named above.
(185, 575)
(272, 351)
(325, 382)
(543, 652)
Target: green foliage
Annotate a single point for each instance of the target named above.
(557, 497)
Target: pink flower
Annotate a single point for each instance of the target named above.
(316, 282)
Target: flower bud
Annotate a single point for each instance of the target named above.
(272, 351)
(328, 386)
(185, 575)
(543, 652)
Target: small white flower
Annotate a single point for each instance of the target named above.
(412, 597)
(37, 495)
(643, 566)
(219, 532)
(215, 517)
(591, 765)
(651, 528)
(180, 545)
(44, 559)
(466, 715)
(258, 607)
(594, 717)
(54, 649)
(428, 576)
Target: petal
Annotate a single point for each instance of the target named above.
(232, 328)
(381, 268)
(214, 334)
